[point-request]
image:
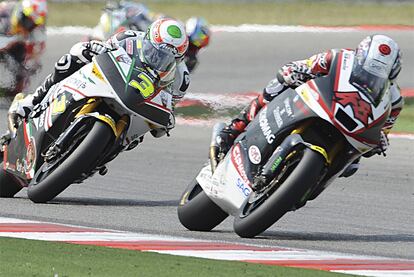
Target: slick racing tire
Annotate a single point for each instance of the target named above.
(8, 185)
(196, 211)
(257, 214)
(52, 179)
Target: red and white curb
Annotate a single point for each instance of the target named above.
(281, 256)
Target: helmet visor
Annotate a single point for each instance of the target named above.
(370, 82)
(158, 59)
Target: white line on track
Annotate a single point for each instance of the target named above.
(248, 28)
(330, 261)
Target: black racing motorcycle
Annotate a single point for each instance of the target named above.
(293, 149)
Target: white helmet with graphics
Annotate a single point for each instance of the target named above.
(377, 61)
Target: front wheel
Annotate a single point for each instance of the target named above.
(86, 148)
(196, 211)
(261, 210)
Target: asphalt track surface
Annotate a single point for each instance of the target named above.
(370, 213)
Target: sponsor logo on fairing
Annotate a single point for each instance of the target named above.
(362, 109)
(30, 156)
(238, 163)
(287, 107)
(254, 154)
(277, 114)
(345, 61)
(264, 126)
(243, 187)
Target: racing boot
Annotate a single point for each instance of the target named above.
(237, 126)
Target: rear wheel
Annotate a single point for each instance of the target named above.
(8, 185)
(81, 156)
(263, 208)
(196, 211)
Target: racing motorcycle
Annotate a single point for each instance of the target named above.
(121, 17)
(294, 148)
(84, 122)
(19, 60)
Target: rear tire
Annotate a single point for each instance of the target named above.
(48, 183)
(196, 211)
(248, 224)
(8, 185)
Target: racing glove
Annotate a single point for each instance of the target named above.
(22, 105)
(295, 74)
(85, 51)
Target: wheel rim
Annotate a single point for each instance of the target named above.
(48, 168)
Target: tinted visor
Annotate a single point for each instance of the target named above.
(371, 84)
(158, 59)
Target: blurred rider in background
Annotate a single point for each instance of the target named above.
(161, 50)
(373, 52)
(23, 36)
(126, 15)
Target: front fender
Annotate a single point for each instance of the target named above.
(289, 144)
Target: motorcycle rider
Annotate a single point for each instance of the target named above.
(369, 53)
(25, 21)
(198, 32)
(163, 46)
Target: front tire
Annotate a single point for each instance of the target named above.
(196, 211)
(49, 180)
(253, 220)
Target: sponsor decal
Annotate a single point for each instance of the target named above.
(243, 187)
(238, 163)
(30, 156)
(78, 84)
(129, 47)
(288, 108)
(384, 49)
(277, 114)
(276, 164)
(254, 154)
(264, 126)
(362, 109)
(97, 73)
(123, 59)
(277, 161)
(345, 62)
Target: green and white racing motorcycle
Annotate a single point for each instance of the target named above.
(84, 122)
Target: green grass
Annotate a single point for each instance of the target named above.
(405, 122)
(233, 13)
(19, 257)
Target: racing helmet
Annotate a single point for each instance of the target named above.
(198, 31)
(28, 15)
(168, 34)
(377, 61)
